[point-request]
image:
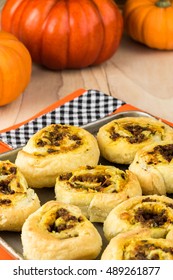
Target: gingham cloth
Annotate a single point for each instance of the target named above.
(90, 106)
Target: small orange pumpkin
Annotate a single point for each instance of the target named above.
(150, 22)
(62, 34)
(15, 68)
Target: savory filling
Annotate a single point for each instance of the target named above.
(7, 169)
(149, 199)
(147, 250)
(151, 218)
(5, 202)
(59, 138)
(9, 183)
(166, 151)
(5, 187)
(96, 180)
(150, 214)
(61, 221)
(133, 133)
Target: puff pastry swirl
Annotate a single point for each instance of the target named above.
(96, 190)
(153, 212)
(17, 201)
(138, 245)
(153, 165)
(120, 139)
(59, 231)
(56, 149)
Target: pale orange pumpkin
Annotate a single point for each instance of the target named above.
(150, 22)
(15, 68)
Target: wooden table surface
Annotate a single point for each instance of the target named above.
(136, 74)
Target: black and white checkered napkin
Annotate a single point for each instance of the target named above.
(90, 106)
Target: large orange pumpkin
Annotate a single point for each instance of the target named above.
(15, 68)
(64, 34)
(150, 22)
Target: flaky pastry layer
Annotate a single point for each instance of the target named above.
(56, 149)
(120, 139)
(138, 245)
(153, 165)
(96, 190)
(59, 231)
(153, 212)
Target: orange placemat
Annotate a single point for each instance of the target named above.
(78, 108)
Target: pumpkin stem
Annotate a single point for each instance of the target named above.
(163, 3)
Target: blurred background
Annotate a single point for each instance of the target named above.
(120, 3)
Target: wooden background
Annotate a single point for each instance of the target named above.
(136, 74)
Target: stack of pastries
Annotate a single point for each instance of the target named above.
(130, 203)
(140, 227)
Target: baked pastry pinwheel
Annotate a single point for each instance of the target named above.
(120, 139)
(56, 149)
(153, 165)
(96, 190)
(59, 231)
(17, 201)
(153, 212)
(138, 245)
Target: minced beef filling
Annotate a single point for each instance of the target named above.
(169, 205)
(103, 180)
(6, 171)
(166, 151)
(136, 131)
(96, 182)
(151, 218)
(68, 221)
(5, 202)
(65, 176)
(142, 251)
(5, 188)
(149, 199)
(56, 137)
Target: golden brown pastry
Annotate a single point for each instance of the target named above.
(96, 190)
(59, 231)
(153, 166)
(120, 139)
(17, 201)
(153, 212)
(138, 245)
(56, 149)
